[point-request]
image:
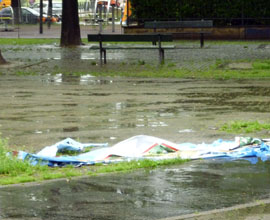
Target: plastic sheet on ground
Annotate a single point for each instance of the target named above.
(147, 147)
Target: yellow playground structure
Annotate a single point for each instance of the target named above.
(127, 13)
(4, 3)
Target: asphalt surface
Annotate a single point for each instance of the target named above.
(54, 31)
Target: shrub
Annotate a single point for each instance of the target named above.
(225, 12)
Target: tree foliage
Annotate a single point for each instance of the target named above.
(199, 9)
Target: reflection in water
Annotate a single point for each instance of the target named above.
(70, 129)
(71, 79)
(147, 194)
(70, 59)
(71, 54)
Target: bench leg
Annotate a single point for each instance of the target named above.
(161, 56)
(154, 42)
(105, 57)
(202, 40)
(101, 56)
(100, 51)
(161, 51)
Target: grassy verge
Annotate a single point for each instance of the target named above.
(244, 126)
(260, 70)
(28, 41)
(13, 171)
(222, 69)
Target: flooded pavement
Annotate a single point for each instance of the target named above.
(186, 55)
(147, 194)
(39, 110)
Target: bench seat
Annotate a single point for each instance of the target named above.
(137, 47)
(153, 38)
(198, 25)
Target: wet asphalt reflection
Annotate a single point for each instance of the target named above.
(147, 194)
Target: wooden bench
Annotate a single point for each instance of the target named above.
(131, 38)
(198, 24)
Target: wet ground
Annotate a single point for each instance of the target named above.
(151, 194)
(45, 106)
(40, 109)
(187, 55)
(37, 111)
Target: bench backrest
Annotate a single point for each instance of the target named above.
(130, 37)
(178, 24)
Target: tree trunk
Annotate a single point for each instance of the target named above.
(49, 13)
(16, 6)
(70, 30)
(2, 60)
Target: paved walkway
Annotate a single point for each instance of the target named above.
(33, 31)
(259, 210)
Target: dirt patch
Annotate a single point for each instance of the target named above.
(264, 46)
(10, 65)
(242, 65)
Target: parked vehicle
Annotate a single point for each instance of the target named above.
(28, 15)
(56, 8)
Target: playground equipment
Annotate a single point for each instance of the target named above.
(104, 11)
(126, 14)
(4, 3)
(7, 19)
(102, 8)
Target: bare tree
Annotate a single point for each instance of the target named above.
(70, 30)
(2, 60)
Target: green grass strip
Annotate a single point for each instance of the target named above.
(244, 126)
(28, 41)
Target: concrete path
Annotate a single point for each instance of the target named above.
(33, 31)
(259, 210)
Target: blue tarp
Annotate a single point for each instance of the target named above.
(148, 147)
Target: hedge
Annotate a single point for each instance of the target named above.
(201, 9)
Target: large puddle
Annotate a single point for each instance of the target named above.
(37, 111)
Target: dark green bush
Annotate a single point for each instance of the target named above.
(222, 11)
